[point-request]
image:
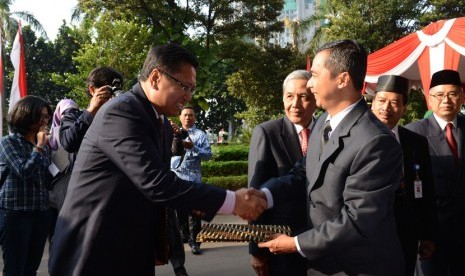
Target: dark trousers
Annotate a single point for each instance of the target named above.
(178, 256)
(23, 236)
(187, 234)
(448, 260)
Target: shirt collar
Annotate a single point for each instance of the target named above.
(442, 123)
(336, 119)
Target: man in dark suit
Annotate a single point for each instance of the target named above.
(352, 170)
(122, 179)
(415, 203)
(275, 147)
(445, 133)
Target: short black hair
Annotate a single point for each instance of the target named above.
(187, 107)
(101, 76)
(169, 57)
(25, 113)
(347, 56)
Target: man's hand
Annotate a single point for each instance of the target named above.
(426, 249)
(101, 95)
(280, 244)
(250, 203)
(260, 265)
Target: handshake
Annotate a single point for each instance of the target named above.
(250, 203)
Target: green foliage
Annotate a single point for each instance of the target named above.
(119, 44)
(442, 9)
(225, 168)
(416, 108)
(258, 80)
(232, 183)
(374, 24)
(230, 153)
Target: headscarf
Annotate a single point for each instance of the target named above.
(59, 110)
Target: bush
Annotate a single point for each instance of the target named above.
(230, 153)
(225, 168)
(232, 183)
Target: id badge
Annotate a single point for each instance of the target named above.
(418, 186)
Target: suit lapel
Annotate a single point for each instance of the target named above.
(315, 162)
(290, 140)
(152, 119)
(437, 138)
(460, 135)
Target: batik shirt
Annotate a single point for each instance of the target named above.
(190, 168)
(24, 175)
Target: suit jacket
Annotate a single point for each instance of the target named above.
(449, 178)
(350, 195)
(274, 149)
(120, 181)
(416, 218)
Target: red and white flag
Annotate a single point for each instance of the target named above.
(2, 74)
(19, 85)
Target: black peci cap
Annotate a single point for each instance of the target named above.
(392, 83)
(445, 77)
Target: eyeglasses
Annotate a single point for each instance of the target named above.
(185, 88)
(451, 95)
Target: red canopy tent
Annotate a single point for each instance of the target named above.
(440, 45)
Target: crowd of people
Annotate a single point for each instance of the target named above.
(117, 187)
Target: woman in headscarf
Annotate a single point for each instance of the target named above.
(62, 106)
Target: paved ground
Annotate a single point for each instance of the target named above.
(225, 259)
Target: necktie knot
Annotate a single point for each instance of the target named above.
(305, 133)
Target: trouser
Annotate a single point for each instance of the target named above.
(178, 256)
(23, 236)
(187, 234)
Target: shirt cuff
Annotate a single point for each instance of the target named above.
(269, 198)
(228, 204)
(298, 247)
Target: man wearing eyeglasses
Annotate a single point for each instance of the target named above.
(111, 220)
(444, 131)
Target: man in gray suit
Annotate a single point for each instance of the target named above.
(445, 133)
(352, 170)
(275, 147)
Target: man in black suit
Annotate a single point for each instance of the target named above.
(415, 203)
(275, 147)
(352, 170)
(444, 130)
(122, 180)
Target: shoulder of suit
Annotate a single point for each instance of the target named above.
(412, 135)
(419, 127)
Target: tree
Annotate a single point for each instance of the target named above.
(258, 80)
(442, 9)
(9, 25)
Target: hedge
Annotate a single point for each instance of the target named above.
(227, 182)
(225, 168)
(230, 152)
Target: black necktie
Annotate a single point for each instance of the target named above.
(325, 136)
(326, 132)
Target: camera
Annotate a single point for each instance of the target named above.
(177, 147)
(116, 87)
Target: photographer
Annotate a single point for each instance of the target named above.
(197, 148)
(102, 84)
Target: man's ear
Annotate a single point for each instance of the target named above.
(404, 109)
(154, 78)
(92, 90)
(343, 79)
